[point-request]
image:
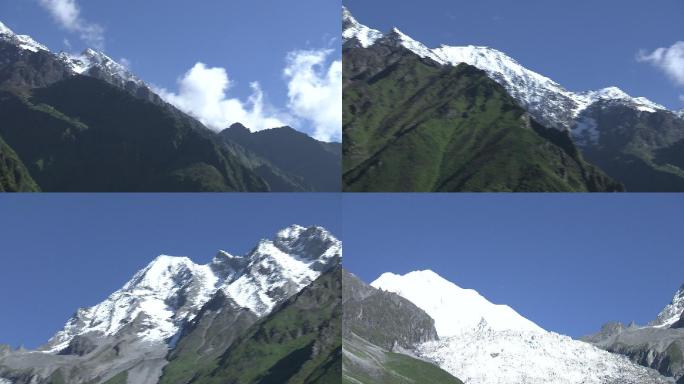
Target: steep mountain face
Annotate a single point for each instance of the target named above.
(305, 164)
(599, 122)
(379, 332)
(85, 123)
(659, 345)
(171, 302)
(640, 148)
(14, 177)
(411, 124)
(484, 343)
(299, 342)
(82, 134)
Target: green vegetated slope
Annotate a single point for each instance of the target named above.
(202, 343)
(300, 342)
(644, 150)
(412, 125)
(14, 177)
(374, 324)
(82, 134)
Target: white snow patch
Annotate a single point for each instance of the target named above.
(453, 308)
(22, 41)
(364, 35)
(482, 355)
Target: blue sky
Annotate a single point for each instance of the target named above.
(569, 262)
(65, 251)
(581, 44)
(163, 39)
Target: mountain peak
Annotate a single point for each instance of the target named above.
(239, 127)
(453, 308)
(672, 313)
(170, 290)
(353, 30)
(98, 64)
(547, 101)
(4, 30)
(24, 42)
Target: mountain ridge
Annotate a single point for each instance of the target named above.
(485, 353)
(131, 332)
(71, 147)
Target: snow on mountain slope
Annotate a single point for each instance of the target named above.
(483, 343)
(352, 29)
(280, 267)
(156, 292)
(22, 41)
(483, 355)
(171, 290)
(452, 307)
(550, 103)
(672, 312)
(91, 60)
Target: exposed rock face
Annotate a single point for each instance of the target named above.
(659, 345)
(383, 318)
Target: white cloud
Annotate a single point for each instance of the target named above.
(68, 14)
(315, 92)
(202, 94)
(669, 60)
(314, 95)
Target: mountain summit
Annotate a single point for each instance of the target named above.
(402, 97)
(483, 343)
(549, 103)
(134, 328)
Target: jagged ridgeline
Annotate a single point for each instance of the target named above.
(658, 345)
(473, 119)
(273, 315)
(380, 331)
(85, 123)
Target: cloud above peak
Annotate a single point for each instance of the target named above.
(314, 97)
(67, 14)
(202, 93)
(670, 60)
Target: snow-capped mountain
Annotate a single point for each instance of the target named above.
(90, 62)
(503, 347)
(672, 313)
(22, 41)
(170, 291)
(445, 302)
(97, 64)
(546, 100)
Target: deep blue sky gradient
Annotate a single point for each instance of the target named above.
(164, 38)
(581, 44)
(569, 262)
(64, 251)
